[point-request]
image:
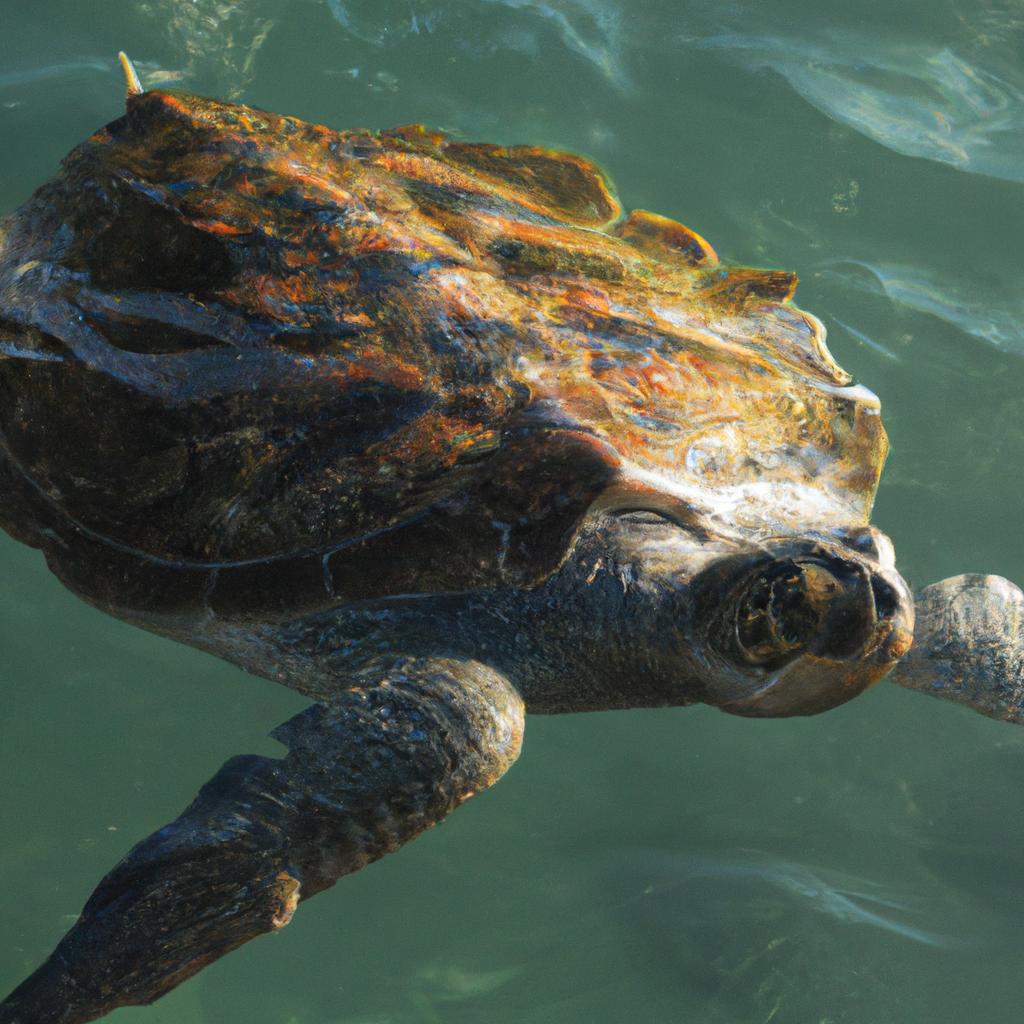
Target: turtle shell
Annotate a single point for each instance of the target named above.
(254, 365)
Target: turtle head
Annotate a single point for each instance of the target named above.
(798, 626)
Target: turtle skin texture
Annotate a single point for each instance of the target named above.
(429, 431)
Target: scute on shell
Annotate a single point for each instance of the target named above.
(255, 364)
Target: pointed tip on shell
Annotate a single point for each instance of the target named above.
(132, 85)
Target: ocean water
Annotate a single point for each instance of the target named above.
(863, 867)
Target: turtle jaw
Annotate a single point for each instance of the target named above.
(813, 684)
(804, 628)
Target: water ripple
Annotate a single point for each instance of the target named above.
(915, 98)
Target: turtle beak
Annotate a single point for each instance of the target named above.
(798, 626)
(864, 634)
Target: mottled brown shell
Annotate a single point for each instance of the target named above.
(253, 364)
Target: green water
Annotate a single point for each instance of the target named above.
(864, 867)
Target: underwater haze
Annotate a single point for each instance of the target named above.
(667, 867)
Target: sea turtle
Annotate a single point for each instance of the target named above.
(428, 431)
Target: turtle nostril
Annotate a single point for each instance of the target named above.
(887, 600)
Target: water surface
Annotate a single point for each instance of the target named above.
(864, 867)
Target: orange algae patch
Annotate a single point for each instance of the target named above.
(219, 227)
(664, 238)
(374, 365)
(286, 891)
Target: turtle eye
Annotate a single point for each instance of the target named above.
(781, 610)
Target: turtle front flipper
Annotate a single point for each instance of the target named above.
(363, 775)
(969, 645)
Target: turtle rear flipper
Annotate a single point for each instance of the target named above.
(969, 645)
(362, 776)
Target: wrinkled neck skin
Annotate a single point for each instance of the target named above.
(608, 630)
